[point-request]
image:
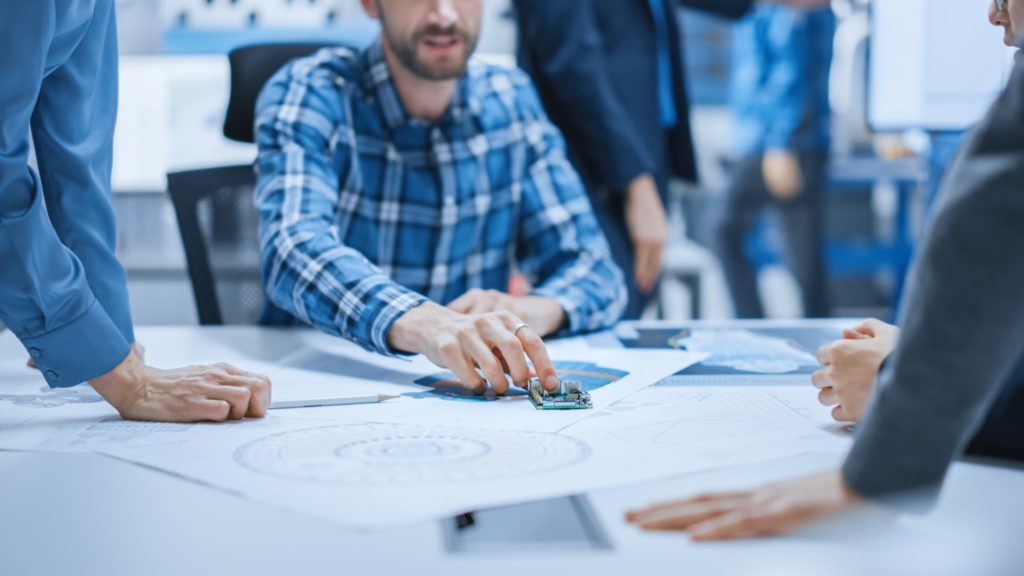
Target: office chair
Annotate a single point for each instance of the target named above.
(214, 208)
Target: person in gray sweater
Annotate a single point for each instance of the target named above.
(962, 335)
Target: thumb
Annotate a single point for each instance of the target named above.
(866, 328)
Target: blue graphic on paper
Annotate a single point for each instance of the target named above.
(446, 385)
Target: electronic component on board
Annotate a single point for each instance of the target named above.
(569, 396)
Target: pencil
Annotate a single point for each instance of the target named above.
(330, 401)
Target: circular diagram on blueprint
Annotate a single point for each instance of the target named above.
(407, 454)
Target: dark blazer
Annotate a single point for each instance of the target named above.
(595, 65)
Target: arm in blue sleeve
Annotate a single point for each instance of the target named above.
(566, 41)
(73, 131)
(307, 270)
(786, 91)
(45, 297)
(561, 248)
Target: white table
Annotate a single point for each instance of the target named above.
(68, 514)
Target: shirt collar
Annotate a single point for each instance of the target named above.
(380, 86)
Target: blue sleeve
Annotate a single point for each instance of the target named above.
(306, 269)
(561, 248)
(49, 238)
(566, 42)
(787, 46)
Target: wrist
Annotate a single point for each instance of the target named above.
(847, 495)
(119, 385)
(545, 315)
(642, 184)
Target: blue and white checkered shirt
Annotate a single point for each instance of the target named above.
(366, 212)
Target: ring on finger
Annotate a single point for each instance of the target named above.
(518, 327)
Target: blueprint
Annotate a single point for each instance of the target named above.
(429, 395)
(30, 412)
(687, 429)
(365, 474)
(435, 451)
(360, 474)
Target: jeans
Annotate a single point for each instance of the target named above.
(802, 220)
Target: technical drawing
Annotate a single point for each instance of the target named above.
(54, 398)
(401, 454)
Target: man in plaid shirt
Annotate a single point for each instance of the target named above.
(399, 186)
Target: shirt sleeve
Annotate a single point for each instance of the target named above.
(963, 323)
(561, 248)
(304, 137)
(785, 93)
(45, 295)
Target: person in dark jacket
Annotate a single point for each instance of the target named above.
(610, 74)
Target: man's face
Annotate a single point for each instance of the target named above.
(433, 39)
(1010, 16)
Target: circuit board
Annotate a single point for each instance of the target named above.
(569, 396)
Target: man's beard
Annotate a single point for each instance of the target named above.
(406, 52)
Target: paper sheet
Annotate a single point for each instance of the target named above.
(429, 395)
(735, 349)
(434, 453)
(374, 474)
(31, 412)
(713, 425)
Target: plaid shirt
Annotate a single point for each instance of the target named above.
(366, 212)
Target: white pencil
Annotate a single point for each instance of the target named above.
(330, 401)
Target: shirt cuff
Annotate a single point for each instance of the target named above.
(398, 301)
(85, 348)
(575, 313)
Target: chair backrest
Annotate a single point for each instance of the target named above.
(251, 67)
(218, 225)
(216, 216)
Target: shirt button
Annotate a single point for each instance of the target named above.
(35, 352)
(51, 375)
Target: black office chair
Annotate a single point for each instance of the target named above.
(214, 206)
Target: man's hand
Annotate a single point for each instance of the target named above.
(544, 315)
(464, 343)
(197, 393)
(851, 367)
(782, 174)
(770, 509)
(648, 229)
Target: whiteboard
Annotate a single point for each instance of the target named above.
(933, 64)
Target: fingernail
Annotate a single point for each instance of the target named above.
(552, 382)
